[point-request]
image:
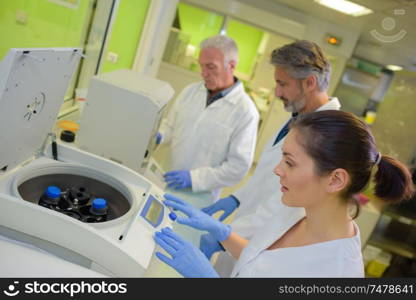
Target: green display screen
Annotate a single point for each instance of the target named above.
(153, 168)
(154, 210)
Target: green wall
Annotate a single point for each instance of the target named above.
(53, 25)
(48, 24)
(394, 127)
(126, 33)
(248, 39)
(200, 23)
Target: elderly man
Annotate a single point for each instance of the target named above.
(212, 126)
(302, 75)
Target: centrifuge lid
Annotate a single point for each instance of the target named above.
(33, 83)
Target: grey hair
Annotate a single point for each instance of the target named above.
(302, 59)
(225, 44)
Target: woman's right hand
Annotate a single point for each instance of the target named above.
(198, 219)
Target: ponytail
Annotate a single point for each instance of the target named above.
(393, 180)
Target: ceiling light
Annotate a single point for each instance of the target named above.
(346, 7)
(394, 68)
(333, 40)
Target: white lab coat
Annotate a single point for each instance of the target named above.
(260, 197)
(336, 258)
(216, 143)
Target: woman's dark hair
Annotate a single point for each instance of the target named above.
(336, 139)
(302, 59)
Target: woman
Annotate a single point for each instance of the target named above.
(328, 157)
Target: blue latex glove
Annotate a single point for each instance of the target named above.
(180, 179)
(187, 259)
(158, 138)
(209, 245)
(227, 204)
(198, 219)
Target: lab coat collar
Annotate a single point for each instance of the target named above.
(238, 88)
(225, 91)
(278, 225)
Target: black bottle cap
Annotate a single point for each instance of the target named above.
(67, 136)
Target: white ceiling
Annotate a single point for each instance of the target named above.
(401, 51)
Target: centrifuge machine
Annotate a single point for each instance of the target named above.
(79, 208)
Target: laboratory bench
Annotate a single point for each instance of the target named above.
(394, 238)
(396, 233)
(156, 268)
